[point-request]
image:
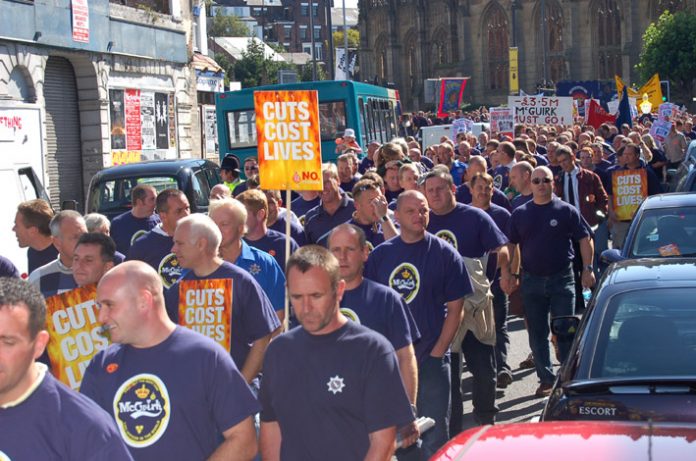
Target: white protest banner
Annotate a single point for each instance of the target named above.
(666, 110)
(461, 125)
(502, 120)
(544, 110)
(613, 106)
(660, 129)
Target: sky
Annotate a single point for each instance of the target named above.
(349, 3)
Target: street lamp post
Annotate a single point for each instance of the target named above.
(346, 62)
(314, 53)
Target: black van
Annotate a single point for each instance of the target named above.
(110, 189)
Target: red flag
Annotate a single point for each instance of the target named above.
(451, 92)
(597, 115)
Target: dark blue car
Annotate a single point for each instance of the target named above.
(634, 352)
(109, 190)
(663, 226)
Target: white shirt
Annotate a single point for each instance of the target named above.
(573, 183)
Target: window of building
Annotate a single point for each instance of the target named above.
(287, 32)
(315, 9)
(608, 38)
(318, 49)
(550, 45)
(317, 32)
(496, 48)
(304, 9)
(303, 33)
(657, 7)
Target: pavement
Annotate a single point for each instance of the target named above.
(517, 402)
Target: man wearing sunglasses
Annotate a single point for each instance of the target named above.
(544, 230)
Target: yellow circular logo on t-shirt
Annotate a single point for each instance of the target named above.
(142, 410)
(351, 314)
(406, 280)
(448, 236)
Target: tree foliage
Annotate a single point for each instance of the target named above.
(353, 39)
(669, 48)
(228, 26)
(256, 69)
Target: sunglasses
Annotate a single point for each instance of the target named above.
(364, 187)
(538, 181)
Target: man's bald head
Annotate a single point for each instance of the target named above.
(136, 276)
(407, 195)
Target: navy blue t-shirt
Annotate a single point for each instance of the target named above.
(173, 400)
(273, 243)
(126, 229)
(520, 200)
(463, 195)
(7, 269)
(365, 164)
(426, 162)
(381, 309)
(500, 216)
(373, 233)
(391, 196)
(296, 231)
(40, 258)
(501, 177)
(300, 207)
(253, 316)
(319, 224)
(545, 234)
(469, 230)
(329, 392)
(348, 186)
(427, 274)
(155, 249)
(56, 423)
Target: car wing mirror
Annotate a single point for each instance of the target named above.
(565, 326)
(69, 205)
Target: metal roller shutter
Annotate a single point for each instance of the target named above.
(63, 156)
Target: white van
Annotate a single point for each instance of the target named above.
(21, 163)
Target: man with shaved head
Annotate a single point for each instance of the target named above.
(431, 277)
(174, 393)
(544, 230)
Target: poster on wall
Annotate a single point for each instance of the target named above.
(133, 131)
(162, 120)
(209, 129)
(147, 120)
(142, 126)
(118, 120)
(172, 124)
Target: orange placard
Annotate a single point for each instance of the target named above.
(289, 142)
(71, 321)
(205, 306)
(630, 188)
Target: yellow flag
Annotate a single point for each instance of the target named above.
(651, 88)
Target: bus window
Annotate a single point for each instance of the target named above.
(363, 126)
(241, 126)
(332, 119)
(392, 118)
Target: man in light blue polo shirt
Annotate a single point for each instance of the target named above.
(230, 215)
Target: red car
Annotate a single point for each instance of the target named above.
(573, 441)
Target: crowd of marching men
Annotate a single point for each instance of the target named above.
(406, 263)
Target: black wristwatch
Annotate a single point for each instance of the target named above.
(384, 218)
(589, 268)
